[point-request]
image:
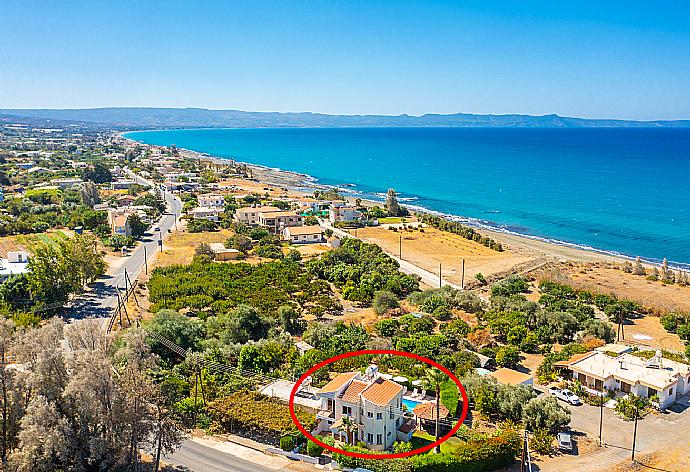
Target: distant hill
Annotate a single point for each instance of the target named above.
(137, 118)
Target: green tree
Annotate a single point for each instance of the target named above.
(545, 413)
(507, 356)
(137, 226)
(290, 319)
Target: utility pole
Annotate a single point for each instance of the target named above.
(462, 280)
(523, 459)
(637, 413)
(440, 281)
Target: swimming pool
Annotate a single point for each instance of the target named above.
(410, 403)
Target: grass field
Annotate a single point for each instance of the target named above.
(29, 242)
(421, 438)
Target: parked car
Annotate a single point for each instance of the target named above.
(565, 395)
(565, 442)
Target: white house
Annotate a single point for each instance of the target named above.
(373, 404)
(212, 200)
(341, 212)
(16, 263)
(66, 182)
(303, 234)
(627, 373)
(205, 213)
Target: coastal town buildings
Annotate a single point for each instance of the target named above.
(275, 221)
(372, 403)
(626, 373)
(206, 213)
(120, 225)
(250, 215)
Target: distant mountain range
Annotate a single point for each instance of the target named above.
(157, 118)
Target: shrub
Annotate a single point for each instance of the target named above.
(383, 301)
(287, 443)
(542, 441)
(443, 313)
(507, 356)
(313, 449)
(200, 226)
(511, 285)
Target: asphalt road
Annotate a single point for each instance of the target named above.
(196, 457)
(102, 298)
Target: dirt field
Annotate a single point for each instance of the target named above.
(434, 247)
(28, 242)
(652, 294)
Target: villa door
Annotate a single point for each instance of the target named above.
(625, 387)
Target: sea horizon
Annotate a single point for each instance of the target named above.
(578, 175)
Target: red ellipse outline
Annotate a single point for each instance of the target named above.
(399, 455)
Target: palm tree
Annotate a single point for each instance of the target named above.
(433, 378)
(348, 424)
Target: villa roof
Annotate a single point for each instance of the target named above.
(256, 209)
(120, 220)
(303, 230)
(510, 376)
(278, 214)
(351, 393)
(339, 380)
(381, 391)
(427, 411)
(631, 369)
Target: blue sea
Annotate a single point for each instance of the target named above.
(619, 190)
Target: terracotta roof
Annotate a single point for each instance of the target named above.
(338, 382)
(351, 393)
(574, 358)
(298, 230)
(120, 220)
(381, 391)
(427, 411)
(510, 376)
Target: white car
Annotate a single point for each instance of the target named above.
(565, 395)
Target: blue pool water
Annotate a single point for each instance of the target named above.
(621, 190)
(409, 403)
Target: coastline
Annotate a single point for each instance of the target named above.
(534, 246)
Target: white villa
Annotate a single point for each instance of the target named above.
(16, 263)
(627, 373)
(373, 404)
(342, 212)
(212, 200)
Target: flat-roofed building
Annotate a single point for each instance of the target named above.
(275, 221)
(303, 234)
(250, 215)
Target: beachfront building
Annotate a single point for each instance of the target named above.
(600, 372)
(341, 212)
(303, 234)
(211, 200)
(250, 215)
(275, 221)
(373, 404)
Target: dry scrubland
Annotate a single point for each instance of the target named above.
(432, 247)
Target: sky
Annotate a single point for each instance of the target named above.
(604, 59)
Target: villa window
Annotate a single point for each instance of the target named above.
(370, 438)
(379, 416)
(670, 391)
(347, 410)
(397, 421)
(370, 414)
(379, 439)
